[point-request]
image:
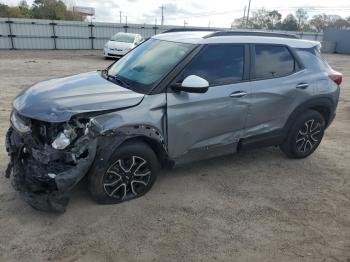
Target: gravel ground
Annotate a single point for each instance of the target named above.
(253, 206)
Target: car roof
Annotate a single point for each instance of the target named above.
(207, 37)
(123, 33)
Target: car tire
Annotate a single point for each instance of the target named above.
(130, 173)
(305, 135)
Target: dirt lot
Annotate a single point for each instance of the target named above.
(253, 206)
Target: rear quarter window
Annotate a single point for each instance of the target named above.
(312, 59)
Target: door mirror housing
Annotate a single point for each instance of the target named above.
(192, 84)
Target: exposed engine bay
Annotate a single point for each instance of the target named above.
(48, 159)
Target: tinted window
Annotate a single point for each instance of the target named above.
(219, 64)
(273, 61)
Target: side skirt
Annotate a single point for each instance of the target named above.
(206, 153)
(273, 138)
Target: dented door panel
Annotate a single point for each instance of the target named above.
(212, 119)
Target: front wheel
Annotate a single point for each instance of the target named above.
(131, 172)
(305, 135)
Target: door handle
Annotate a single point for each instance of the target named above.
(302, 85)
(238, 94)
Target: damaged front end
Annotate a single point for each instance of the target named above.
(48, 159)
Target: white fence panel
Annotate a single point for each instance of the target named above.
(52, 34)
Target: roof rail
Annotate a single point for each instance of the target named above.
(188, 29)
(251, 33)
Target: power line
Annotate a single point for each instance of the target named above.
(204, 14)
(308, 9)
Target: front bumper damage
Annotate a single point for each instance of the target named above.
(45, 176)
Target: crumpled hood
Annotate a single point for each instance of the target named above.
(57, 100)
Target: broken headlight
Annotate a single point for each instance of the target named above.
(19, 124)
(64, 138)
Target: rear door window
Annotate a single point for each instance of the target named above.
(273, 61)
(219, 64)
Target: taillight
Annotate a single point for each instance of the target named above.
(336, 77)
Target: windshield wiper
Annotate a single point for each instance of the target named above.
(122, 81)
(103, 71)
(116, 79)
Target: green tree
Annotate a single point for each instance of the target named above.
(341, 24)
(274, 19)
(53, 9)
(4, 9)
(260, 19)
(336, 21)
(14, 11)
(308, 28)
(24, 8)
(48, 9)
(289, 23)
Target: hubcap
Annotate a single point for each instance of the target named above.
(309, 136)
(127, 178)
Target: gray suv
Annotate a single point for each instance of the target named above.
(178, 97)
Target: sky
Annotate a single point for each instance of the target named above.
(214, 13)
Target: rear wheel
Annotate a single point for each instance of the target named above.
(305, 135)
(131, 173)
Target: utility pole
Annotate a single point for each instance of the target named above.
(126, 20)
(243, 16)
(162, 7)
(209, 24)
(185, 23)
(120, 17)
(246, 25)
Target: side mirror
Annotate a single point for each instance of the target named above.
(192, 84)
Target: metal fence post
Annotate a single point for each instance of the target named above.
(11, 36)
(92, 35)
(53, 24)
(155, 29)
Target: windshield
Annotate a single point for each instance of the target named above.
(123, 38)
(147, 64)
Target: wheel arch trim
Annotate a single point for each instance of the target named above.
(318, 104)
(109, 141)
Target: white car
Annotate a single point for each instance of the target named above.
(120, 44)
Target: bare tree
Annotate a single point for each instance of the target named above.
(302, 16)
